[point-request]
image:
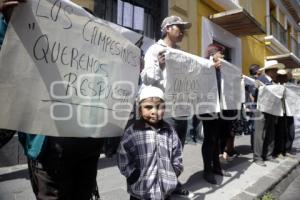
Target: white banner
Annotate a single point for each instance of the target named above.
(269, 99)
(233, 92)
(65, 73)
(292, 100)
(191, 86)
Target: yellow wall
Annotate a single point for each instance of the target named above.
(187, 10)
(259, 12)
(205, 8)
(253, 52)
(85, 3)
(193, 10)
(253, 47)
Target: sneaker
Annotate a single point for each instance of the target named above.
(290, 155)
(272, 160)
(281, 157)
(183, 193)
(260, 163)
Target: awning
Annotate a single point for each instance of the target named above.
(238, 22)
(289, 60)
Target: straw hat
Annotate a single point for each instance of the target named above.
(272, 64)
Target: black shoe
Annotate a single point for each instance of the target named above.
(194, 139)
(222, 172)
(260, 163)
(183, 192)
(210, 178)
(233, 153)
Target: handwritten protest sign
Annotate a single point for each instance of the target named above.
(279, 99)
(65, 73)
(191, 86)
(269, 99)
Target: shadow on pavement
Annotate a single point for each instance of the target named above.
(21, 174)
(107, 162)
(237, 166)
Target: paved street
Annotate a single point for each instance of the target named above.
(248, 180)
(292, 192)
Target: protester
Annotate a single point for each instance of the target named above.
(290, 126)
(285, 129)
(216, 128)
(265, 124)
(150, 153)
(5, 8)
(154, 73)
(281, 129)
(251, 102)
(60, 167)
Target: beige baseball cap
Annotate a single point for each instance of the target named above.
(173, 20)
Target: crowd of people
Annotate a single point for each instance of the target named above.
(149, 153)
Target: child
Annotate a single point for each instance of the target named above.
(150, 153)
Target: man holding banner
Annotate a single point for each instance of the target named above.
(264, 137)
(154, 73)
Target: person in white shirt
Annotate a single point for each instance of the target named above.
(154, 73)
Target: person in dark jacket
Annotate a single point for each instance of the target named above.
(216, 129)
(264, 136)
(59, 167)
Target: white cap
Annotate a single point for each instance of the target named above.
(282, 72)
(272, 64)
(150, 91)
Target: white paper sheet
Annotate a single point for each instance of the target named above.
(292, 100)
(65, 73)
(233, 93)
(191, 86)
(269, 99)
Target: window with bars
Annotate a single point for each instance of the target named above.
(142, 16)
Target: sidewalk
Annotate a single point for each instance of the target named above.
(247, 182)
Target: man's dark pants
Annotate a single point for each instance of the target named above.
(264, 137)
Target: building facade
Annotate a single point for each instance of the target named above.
(251, 31)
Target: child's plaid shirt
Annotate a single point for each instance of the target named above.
(150, 159)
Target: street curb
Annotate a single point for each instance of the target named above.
(267, 182)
